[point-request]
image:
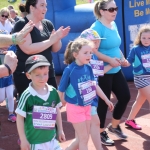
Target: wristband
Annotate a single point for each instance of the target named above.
(9, 70)
(14, 39)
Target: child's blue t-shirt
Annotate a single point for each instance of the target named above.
(135, 58)
(72, 77)
(110, 45)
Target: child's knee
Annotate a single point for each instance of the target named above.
(84, 140)
(95, 123)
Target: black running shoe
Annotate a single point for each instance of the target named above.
(117, 131)
(105, 140)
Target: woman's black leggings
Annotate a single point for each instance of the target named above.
(118, 85)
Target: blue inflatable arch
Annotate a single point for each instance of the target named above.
(80, 17)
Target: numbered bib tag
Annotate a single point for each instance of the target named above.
(97, 67)
(88, 91)
(146, 61)
(44, 117)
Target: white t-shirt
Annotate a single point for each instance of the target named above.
(7, 27)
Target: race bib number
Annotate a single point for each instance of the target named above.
(146, 61)
(44, 117)
(88, 91)
(97, 67)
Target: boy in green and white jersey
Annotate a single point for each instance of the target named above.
(38, 109)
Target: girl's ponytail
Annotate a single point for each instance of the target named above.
(97, 10)
(68, 56)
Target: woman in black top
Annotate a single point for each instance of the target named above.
(41, 40)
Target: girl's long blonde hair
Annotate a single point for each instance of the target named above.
(75, 46)
(145, 28)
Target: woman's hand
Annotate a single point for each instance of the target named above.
(20, 37)
(115, 62)
(60, 33)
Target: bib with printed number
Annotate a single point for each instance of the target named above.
(97, 67)
(44, 117)
(146, 61)
(88, 91)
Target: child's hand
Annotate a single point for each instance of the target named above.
(63, 102)
(61, 136)
(25, 145)
(110, 105)
(124, 63)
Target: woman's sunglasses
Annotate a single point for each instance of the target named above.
(4, 16)
(111, 9)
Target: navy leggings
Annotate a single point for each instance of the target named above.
(117, 84)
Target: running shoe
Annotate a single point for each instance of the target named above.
(105, 140)
(132, 124)
(12, 118)
(116, 131)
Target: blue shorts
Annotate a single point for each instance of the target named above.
(6, 81)
(93, 110)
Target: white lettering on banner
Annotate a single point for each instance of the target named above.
(133, 29)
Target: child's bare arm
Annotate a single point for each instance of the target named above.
(107, 68)
(61, 134)
(124, 62)
(101, 94)
(20, 126)
(61, 95)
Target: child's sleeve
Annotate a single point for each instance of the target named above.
(131, 56)
(58, 102)
(64, 82)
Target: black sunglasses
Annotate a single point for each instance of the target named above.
(111, 9)
(4, 16)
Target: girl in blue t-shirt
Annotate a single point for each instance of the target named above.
(78, 88)
(139, 57)
(98, 70)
